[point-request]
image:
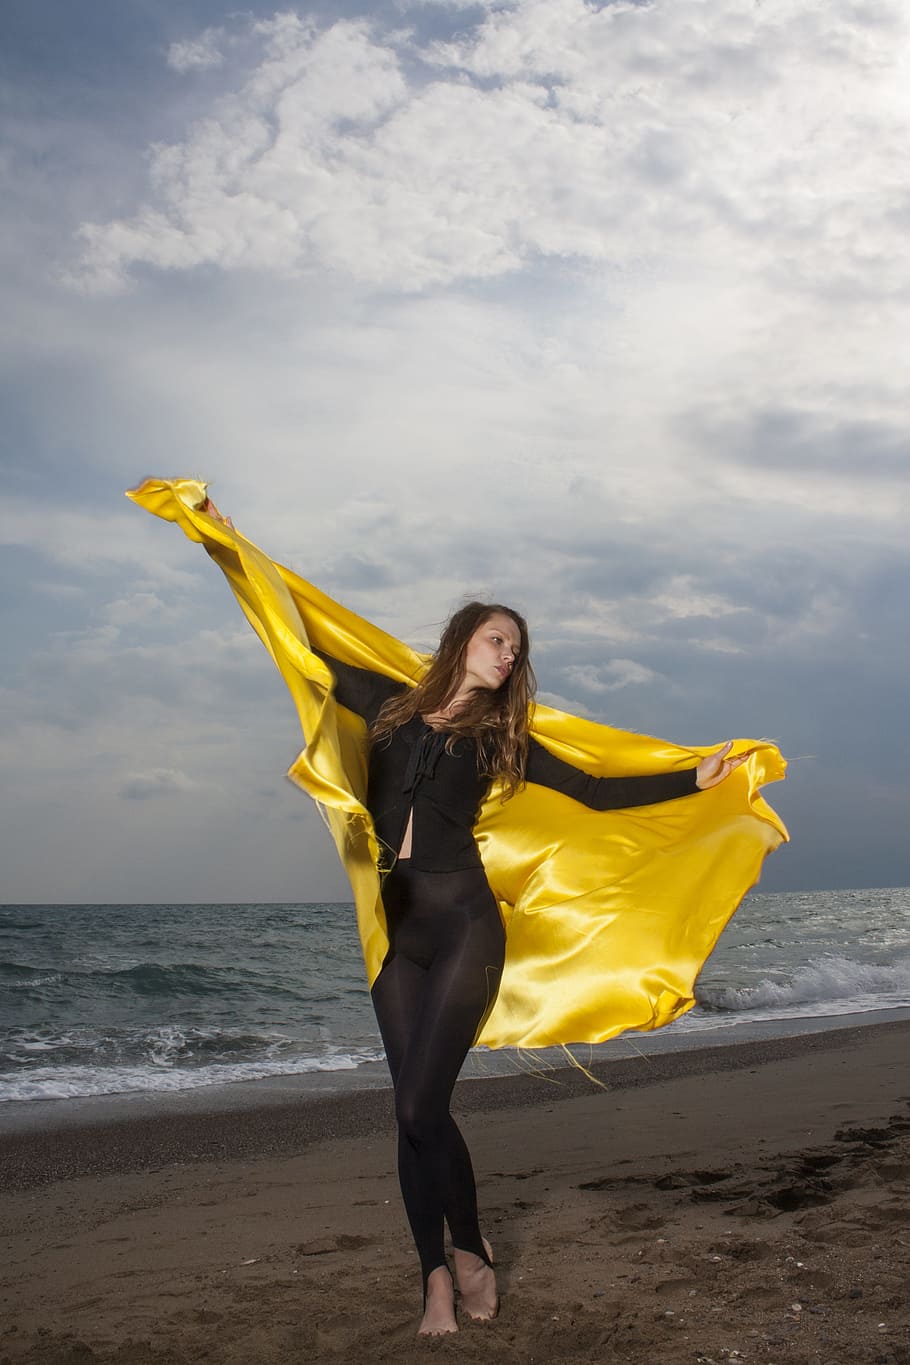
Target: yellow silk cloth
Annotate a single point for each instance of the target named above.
(609, 915)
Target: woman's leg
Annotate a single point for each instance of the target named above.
(436, 986)
(397, 994)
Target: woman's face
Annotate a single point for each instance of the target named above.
(492, 651)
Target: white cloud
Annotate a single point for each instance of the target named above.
(611, 677)
(681, 184)
(102, 537)
(613, 134)
(719, 646)
(567, 704)
(157, 782)
(684, 598)
(139, 608)
(197, 54)
(406, 6)
(73, 592)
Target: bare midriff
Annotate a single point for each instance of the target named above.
(405, 850)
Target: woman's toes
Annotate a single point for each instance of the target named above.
(439, 1309)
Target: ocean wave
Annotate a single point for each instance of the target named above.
(162, 1045)
(19, 974)
(146, 979)
(82, 1082)
(829, 981)
(117, 999)
(179, 978)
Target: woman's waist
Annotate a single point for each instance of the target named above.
(436, 862)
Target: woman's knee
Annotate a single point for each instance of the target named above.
(421, 1123)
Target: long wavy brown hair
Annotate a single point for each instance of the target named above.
(499, 719)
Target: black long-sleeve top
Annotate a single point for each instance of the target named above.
(412, 771)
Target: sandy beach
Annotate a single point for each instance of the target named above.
(745, 1203)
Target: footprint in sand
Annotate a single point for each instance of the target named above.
(339, 1332)
(768, 1202)
(638, 1218)
(869, 1137)
(741, 1249)
(762, 1296)
(842, 1232)
(326, 1246)
(677, 1288)
(687, 1180)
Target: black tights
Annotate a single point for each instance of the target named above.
(436, 986)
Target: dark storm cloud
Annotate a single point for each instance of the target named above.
(792, 440)
(355, 572)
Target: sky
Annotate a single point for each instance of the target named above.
(599, 309)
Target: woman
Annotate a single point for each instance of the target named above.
(435, 748)
(434, 751)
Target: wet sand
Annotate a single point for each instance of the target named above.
(746, 1203)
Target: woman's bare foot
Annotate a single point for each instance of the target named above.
(476, 1284)
(439, 1311)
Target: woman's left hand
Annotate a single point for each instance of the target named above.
(716, 767)
(209, 507)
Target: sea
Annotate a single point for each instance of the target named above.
(103, 1000)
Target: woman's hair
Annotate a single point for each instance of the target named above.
(498, 718)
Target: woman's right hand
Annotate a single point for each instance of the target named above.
(211, 510)
(717, 767)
